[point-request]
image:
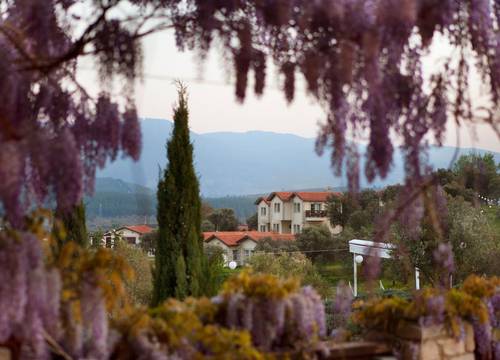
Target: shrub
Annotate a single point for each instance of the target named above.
(181, 330)
(286, 264)
(278, 314)
(140, 287)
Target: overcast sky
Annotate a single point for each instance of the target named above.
(213, 106)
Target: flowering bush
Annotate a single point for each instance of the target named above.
(252, 312)
(74, 304)
(278, 314)
(180, 330)
(291, 264)
(57, 304)
(477, 301)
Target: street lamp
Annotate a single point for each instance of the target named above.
(358, 259)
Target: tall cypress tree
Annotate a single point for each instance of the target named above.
(179, 256)
(73, 222)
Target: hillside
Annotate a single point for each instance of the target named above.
(254, 162)
(115, 198)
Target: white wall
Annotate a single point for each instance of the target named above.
(297, 217)
(276, 217)
(227, 253)
(263, 219)
(246, 249)
(126, 233)
(287, 210)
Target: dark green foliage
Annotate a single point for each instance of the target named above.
(390, 193)
(149, 241)
(207, 225)
(358, 211)
(179, 257)
(315, 238)
(206, 210)
(215, 269)
(252, 222)
(291, 264)
(476, 243)
(96, 237)
(140, 287)
(270, 245)
(181, 288)
(224, 220)
(477, 172)
(243, 205)
(73, 226)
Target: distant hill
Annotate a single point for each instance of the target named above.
(253, 162)
(115, 198)
(108, 184)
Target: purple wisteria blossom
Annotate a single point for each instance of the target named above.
(443, 258)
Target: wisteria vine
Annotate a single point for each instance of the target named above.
(361, 59)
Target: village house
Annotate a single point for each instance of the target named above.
(287, 212)
(239, 246)
(132, 234)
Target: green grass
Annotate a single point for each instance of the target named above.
(337, 271)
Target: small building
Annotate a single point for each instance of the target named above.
(132, 234)
(287, 212)
(239, 246)
(242, 227)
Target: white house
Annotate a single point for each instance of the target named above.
(239, 246)
(290, 212)
(131, 234)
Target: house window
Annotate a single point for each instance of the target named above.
(296, 207)
(263, 228)
(248, 253)
(263, 211)
(236, 255)
(277, 207)
(296, 228)
(276, 227)
(130, 240)
(316, 207)
(109, 243)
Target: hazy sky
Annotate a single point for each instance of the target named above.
(214, 108)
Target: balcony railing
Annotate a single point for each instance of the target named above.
(316, 213)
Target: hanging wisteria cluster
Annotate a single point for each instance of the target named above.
(362, 59)
(278, 315)
(29, 296)
(53, 134)
(58, 308)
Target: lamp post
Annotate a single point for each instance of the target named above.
(358, 259)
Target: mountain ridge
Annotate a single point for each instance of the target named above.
(252, 162)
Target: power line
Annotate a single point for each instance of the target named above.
(298, 251)
(198, 80)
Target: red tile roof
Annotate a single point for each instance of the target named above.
(283, 195)
(232, 238)
(141, 229)
(320, 196)
(258, 201)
